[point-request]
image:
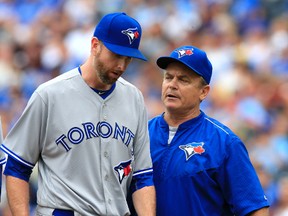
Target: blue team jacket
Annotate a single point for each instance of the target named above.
(205, 170)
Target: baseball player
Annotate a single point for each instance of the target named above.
(88, 131)
(200, 166)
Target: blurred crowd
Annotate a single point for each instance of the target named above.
(246, 41)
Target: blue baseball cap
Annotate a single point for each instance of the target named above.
(193, 57)
(121, 34)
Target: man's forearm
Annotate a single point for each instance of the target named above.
(260, 212)
(144, 201)
(18, 196)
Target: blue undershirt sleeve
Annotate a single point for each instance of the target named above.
(17, 169)
(141, 181)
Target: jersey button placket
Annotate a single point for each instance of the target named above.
(106, 177)
(106, 155)
(104, 111)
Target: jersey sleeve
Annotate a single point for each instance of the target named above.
(239, 181)
(2, 157)
(23, 142)
(143, 171)
(17, 169)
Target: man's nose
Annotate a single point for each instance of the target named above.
(173, 84)
(123, 63)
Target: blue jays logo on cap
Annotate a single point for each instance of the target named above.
(123, 170)
(184, 52)
(120, 34)
(132, 34)
(193, 148)
(191, 56)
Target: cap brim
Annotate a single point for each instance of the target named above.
(164, 61)
(125, 51)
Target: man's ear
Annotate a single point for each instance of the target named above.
(204, 93)
(94, 44)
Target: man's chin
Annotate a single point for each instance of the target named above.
(110, 81)
(113, 79)
(171, 107)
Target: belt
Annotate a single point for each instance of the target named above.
(59, 212)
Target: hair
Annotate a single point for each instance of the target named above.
(203, 82)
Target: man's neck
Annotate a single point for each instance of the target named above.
(174, 119)
(90, 77)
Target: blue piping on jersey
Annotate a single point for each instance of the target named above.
(143, 171)
(3, 161)
(10, 153)
(216, 125)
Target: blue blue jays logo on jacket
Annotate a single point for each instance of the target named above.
(123, 170)
(193, 148)
(131, 33)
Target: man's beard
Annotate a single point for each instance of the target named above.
(103, 74)
(101, 70)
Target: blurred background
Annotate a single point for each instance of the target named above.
(246, 41)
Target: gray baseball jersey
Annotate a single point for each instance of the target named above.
(87, 148)
(2, 156)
